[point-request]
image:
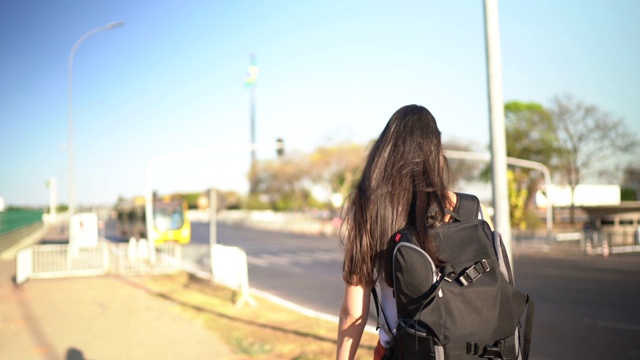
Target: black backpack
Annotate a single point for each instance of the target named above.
(466, 309)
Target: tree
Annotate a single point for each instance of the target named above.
(338, 166)
(589, 141)
(631, 181)
(531, 135)
(284, 183)
(517, 199)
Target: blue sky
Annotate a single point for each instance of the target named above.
(172, 78)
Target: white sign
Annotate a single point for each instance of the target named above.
(584, 195)
(84, 230)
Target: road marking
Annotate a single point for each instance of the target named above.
(329, 255)
(278, 260)
(257, 261)
(616, 325)
(299, 258)
(288, 259)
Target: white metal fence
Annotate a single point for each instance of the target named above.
(128, 260)
(62, 260)
(614, 242)
(591, 242)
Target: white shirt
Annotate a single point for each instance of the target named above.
(385, 294)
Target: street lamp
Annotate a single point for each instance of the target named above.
(72, 204)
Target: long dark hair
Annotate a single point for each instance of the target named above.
(405, 175)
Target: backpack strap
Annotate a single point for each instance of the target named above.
(528, 325)
(378, 303)
(467, 207)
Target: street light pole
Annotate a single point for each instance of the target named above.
(497, 124)
(251, 81)
(71, 195)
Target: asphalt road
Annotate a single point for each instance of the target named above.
(302, 269)
(586, 307)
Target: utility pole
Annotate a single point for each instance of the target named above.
(71, 195)
(497, 124)
(251, 82)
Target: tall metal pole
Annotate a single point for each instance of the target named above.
(252, 180)
(213, 216)
(497, 124)
(213, 225)
(71, 195)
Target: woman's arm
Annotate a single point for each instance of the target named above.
(353, 319)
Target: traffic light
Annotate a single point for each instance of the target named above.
(279, 147)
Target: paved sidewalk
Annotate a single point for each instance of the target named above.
(101, 317)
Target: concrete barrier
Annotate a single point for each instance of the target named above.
(229, 268)
(299, 223)
(21, 237)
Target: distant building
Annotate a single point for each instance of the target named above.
(584, 195)
(1, 203)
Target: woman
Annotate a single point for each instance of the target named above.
(405, 175)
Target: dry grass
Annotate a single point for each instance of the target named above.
(264, 331)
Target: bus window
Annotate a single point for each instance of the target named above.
(168, 218)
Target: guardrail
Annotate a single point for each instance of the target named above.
(300, 223)
(611, 241)
(591, 242)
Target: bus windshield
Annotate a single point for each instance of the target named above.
(168, 216)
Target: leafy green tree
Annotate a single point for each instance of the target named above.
(517, 198)
(531, 135)
(192, 199)
(531, 132)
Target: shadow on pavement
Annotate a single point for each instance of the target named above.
(74, 354)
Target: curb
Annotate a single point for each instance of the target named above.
(32, 238)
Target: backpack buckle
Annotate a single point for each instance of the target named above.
(491, 352)
(472, 348)
(474, 272)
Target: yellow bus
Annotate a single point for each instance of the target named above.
(170, 220)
